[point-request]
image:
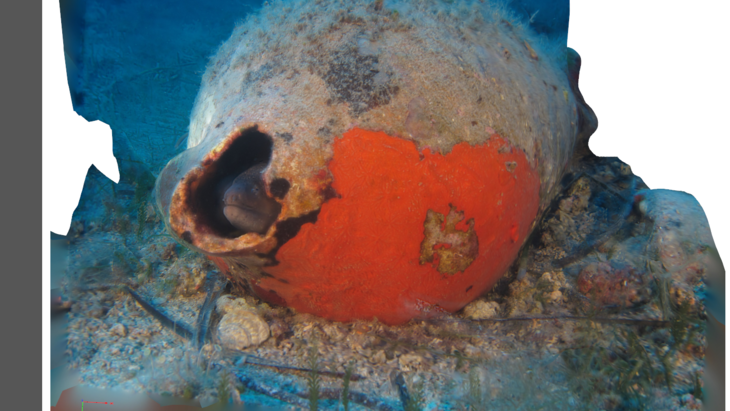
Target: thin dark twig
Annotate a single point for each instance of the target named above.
(214, 287)
(273, 392)
(609, 320)
(178, 327)
(100, 287)
(608, 187)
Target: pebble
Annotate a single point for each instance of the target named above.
(410, 361)
(471, 351)
(97, 311)
(334, 332)
(279, 328)
(480, 310)
(378, 357)
(551, 283)
(240, 327)
(118, 329)
(555, 296)
(228, 303)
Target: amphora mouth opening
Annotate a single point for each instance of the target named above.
(246, 152)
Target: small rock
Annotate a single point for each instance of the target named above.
(681, 293)
(550, 284)
(151, 213)
(578, 198)
(378, 358)
(555, 296)
(170, 252)
(279, 329)
(334, 332)
(118, 329)
(97, 311)
(241, 328)
(364, 371)
(520, 288)
(190, 282)
(480, 309)
(551, 280)
(471, 351)
(410, 361)
(228, 303)
(365, 352)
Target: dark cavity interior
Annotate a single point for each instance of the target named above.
(249, 148)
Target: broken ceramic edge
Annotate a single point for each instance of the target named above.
(194, 214)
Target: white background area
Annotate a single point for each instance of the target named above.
(655, 73)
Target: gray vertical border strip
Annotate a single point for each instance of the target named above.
(20, 32)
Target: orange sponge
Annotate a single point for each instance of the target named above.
(410, 233)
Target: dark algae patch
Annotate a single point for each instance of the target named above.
(359, 80)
